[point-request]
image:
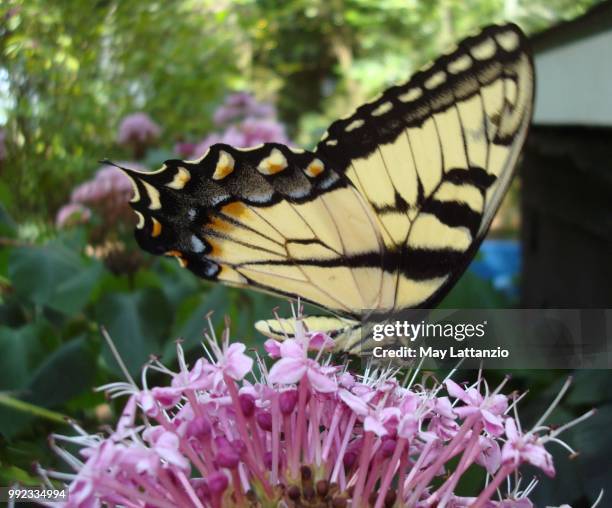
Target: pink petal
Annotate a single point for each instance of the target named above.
(291, 348)
(287, 371)
(509, 454)
(490, 456)
(493, 424)
(465, 411)
(454, 390)
(273, 348)
(237, 363)
(320, 381)
(128, 416)
(408, 427)
(474, 397)
(511, 429)
(536, 455)
(357, 404)
(444, 407)
(372, 424)
(497, 404)
(167, 446)
(320, 340)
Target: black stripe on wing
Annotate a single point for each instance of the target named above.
(431, 90)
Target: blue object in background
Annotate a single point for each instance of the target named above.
(500, 262)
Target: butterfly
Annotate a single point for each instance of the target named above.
(384, 215)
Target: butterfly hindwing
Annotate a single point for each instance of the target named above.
(271, 218)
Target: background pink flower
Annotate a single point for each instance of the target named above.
(72, 214)
(246, 123)
(137, 127)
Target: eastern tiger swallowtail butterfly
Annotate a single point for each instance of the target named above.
(385, 214)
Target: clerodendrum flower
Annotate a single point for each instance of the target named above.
(229, 432)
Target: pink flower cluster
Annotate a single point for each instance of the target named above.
(137, 129)
(108, 192)
(239, 106)
(247, 122)
(229, 431)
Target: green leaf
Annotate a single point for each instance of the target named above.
(137, 323)
(7, 225)
(191, 319)
(593, 440)
(10, 474)
(21, 351)
(66, 373)
(53, 276)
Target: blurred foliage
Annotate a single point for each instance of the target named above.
(71, 70)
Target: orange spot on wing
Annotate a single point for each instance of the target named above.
(219, 225)
(275, 168)
(222, 171)
(235, 209)
(179, 257)
(157, 228)
(315, 168)
(215, 249)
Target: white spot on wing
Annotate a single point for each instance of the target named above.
(153, 193)
(299, 192)
(210, 269)
(508, 40)
(411, 95)
(485, 50)
(355, 124)
(196, 244)
(460, 64)
(215, 200)
(136, 196)
(259, 198)
(274, 163)
(141, 219)
(329, 181)
(435, 80)
(251, 148)
(382, 109)
(181, 177)
(225, 165)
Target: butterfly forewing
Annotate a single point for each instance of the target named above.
(435, 156)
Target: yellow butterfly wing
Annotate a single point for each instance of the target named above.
(384, 215)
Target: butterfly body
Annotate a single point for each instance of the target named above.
(384, 215)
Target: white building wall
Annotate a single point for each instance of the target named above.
(574, 83)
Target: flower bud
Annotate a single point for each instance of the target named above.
(227, 455)
(217, 482)
(199, 427)
(247, 404)
(387, 448)
(264, 420)
(349, 459)
(287, 401)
